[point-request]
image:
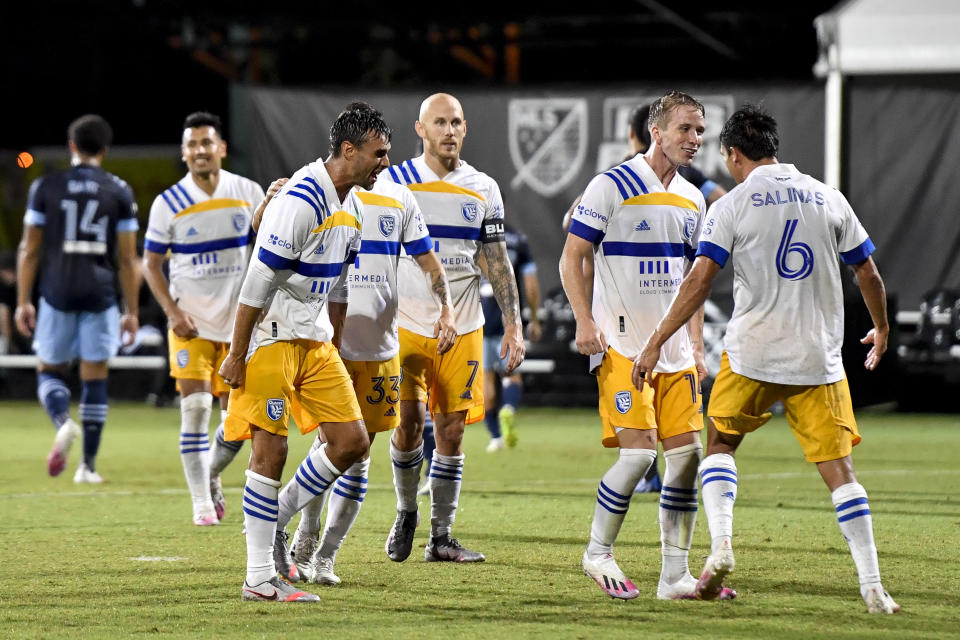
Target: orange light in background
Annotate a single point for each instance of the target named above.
(24, 160)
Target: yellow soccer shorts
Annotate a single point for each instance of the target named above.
(820, 416)
(377, 386)
(452, 382)
(198, 359)
(302, 377)
(671, 403)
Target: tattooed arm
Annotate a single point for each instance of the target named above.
(444, 329)
(500, 275)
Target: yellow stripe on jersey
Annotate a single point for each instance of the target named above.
(662, 198)
(440, 186)
(375, 199)
(339, 219)
(212, 204)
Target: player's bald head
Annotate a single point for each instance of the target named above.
(439, 102)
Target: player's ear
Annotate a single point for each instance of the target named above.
(418, 127)
(223, 148)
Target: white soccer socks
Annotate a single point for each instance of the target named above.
(718, 486)
(194, 447)
(260, 523)
(310, 515)
(314, 476)
(678, 510)
(446, 476)
(406, 475)
(856, 525)
(343, 507)
(222, 451)
(613, 498)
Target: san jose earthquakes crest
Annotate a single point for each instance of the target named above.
(469, 211)
(183, 357)
(387, 225)
(275, 408)
(624, 401)
(239, 221)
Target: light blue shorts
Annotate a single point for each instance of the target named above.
(491, 354)
(62, 336)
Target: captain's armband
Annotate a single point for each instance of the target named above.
(492, 231)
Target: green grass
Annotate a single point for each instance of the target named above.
(72, 559)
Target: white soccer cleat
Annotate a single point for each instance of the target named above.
(609, 577)
(275, 590)
(66, 434)
(302, 549)
(322, 571)
(878, 600)
(718, 565)
(496, 444)
(85, 475)
(686, 589)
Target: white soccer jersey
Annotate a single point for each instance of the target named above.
(307, 237)
(785, 231)
(391, 220)
(644, 238)
(209, 240)
(455, 209)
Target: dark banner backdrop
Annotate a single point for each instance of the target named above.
(543, 146)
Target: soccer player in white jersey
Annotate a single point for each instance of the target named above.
(370, 350)
(309, 234)
(203, 224)
(464, 211)
(637, 226)
(785, 233)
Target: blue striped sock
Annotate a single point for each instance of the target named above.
(613, 498)
(718, 486)
(856, 524)
(314, 476)
(446, 476)
(93, 415)
(54, 395)
(260, 521)
(406, 475)
(344, 507)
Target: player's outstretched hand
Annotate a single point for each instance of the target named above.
(879, 341)
(25, 317)
(445, 330)
(129, 325)
(643, 365)
(512, 347)
(234, 370)
(590, 339)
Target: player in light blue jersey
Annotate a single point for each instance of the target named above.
(785, 234)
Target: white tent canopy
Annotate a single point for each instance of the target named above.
(881, 37)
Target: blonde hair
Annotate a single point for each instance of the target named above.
(662, 106)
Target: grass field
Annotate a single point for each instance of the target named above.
(123, 559)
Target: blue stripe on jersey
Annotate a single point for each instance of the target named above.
(211, 245)
(169, 202)
(394, 175)
(635, 177)
(406, 176)
(155, 247)
(626, 180)
(452, 231)
(417, 247)
(318, 270)
(274, 261)
(323, 196)
(35, 218)
(310, 202)
(316, 197)
(644, 249)
(623, 192)
(184, 192)
(380, 247)
(715, 252)
(858, 255)
(176, 196)
(413, 170)
(126, 225)
(585, 231)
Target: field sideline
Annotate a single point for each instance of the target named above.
(123, 559)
